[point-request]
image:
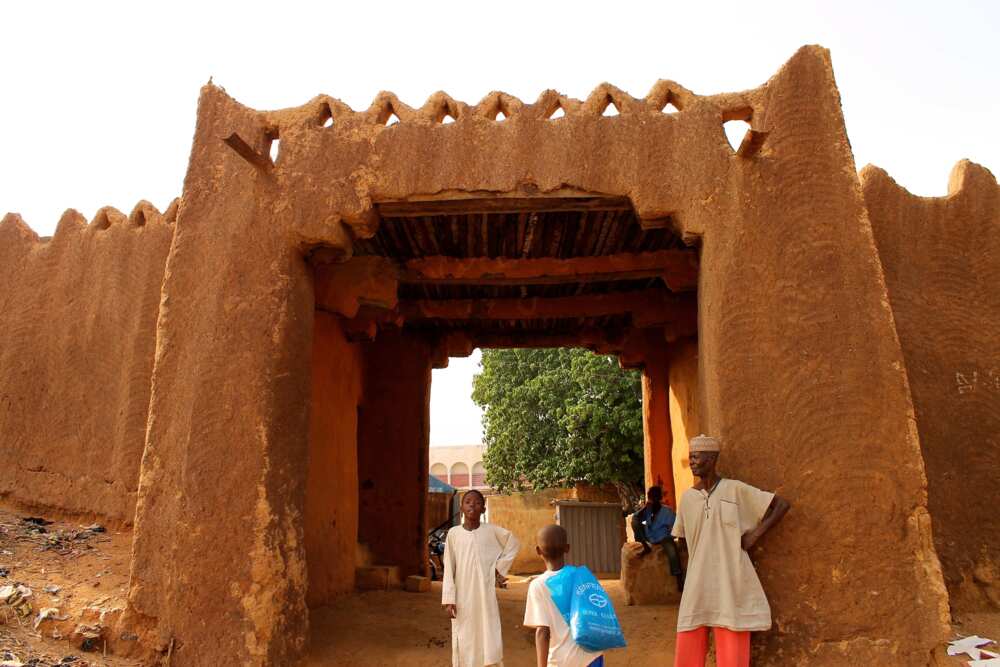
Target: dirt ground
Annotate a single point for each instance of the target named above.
(90, 569)
(86, 573)
(399, 628)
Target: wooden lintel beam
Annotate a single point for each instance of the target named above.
(678, 268)
(620, 342)
(418, 209)
(752, 142)
(652, 303)
(599, 341)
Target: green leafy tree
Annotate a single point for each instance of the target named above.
(553, 417)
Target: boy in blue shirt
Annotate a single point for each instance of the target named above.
(554, 645)
(652, 525)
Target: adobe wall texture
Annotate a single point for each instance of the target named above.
(942, 266)
(78, 330)
(439, 509)
(218, 569)
(393, 438)
(684, 410)
(525, 513)
(331, 513)
(656, 428)
(803, 378)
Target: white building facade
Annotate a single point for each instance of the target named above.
(460, 465)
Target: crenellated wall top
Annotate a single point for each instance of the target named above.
(15, 231)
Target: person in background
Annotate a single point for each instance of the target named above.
(477, 557)
(652, 525)
(720, 520)
(554, 645)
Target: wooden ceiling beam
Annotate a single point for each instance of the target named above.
(654, 305)
(677, 268)
(604, 342)
(619, 342)
(423, 208)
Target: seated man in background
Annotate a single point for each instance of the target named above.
(652, 525)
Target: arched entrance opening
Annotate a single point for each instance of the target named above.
(443, 277)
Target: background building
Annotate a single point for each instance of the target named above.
(460, 465)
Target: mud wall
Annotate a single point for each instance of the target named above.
(439, 508)
(684, 415)
(393, 437)
(525, 513)
(941, 258)
(801, 367)
(331, 514)
(804, 381)
(78, 330)
(656, 429)
(218, 568)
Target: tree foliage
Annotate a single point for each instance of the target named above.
(553, 417)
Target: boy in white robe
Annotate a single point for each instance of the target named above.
(477, 557)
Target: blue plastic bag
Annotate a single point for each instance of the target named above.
(586, 608)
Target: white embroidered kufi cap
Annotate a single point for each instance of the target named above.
(705, 443)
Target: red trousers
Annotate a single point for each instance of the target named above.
(732, 649)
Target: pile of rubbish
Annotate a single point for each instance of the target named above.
(18, 604)
(86, 636)
(63, 542)
(16, 652)
(15, 596)
(9, 659)
(972, 647)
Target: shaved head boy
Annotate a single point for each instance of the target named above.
(553, 542)
(554, 645)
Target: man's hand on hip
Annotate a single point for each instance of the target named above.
(749, 539)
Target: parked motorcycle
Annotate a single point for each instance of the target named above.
(435, 548)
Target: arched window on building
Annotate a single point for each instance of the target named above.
(478, 475)
(440, 471)
(460, 476)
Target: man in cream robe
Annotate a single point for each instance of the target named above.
(476, 557)
(721, 520)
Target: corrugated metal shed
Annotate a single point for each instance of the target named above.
(596, 534)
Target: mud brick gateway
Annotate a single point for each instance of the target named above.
(246, 376)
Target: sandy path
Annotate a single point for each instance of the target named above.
(362, 630)
(399, 628)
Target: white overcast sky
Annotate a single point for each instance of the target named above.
(97, 100)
